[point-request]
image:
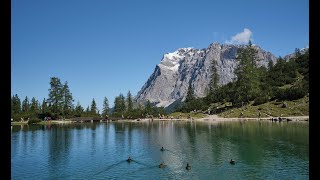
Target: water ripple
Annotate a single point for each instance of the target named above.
(100, 150)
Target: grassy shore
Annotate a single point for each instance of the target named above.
(42, 122)
(19, 123)
(55, 122)
(296, 108)
(299, 107)
(186, 115)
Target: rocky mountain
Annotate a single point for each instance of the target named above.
(302, 51)
(170, 80)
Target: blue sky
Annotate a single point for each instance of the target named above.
(107, 47)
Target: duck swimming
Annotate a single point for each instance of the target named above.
(129, 159)
(161, 149)
(188, 167)
(162, 165)
(232, 161)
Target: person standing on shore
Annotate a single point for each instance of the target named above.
(259, 114)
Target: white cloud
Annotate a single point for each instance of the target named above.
(241, 38)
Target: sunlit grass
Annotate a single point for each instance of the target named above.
(299, 107)
(182, 115)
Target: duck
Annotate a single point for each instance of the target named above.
(129, 159)
(161, 149)
(188, 167)
(162, 165)
(232, 161)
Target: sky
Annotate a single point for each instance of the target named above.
(106, 47)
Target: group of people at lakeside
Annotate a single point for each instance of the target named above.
(163, 117)
(47, 118)
(22, 119)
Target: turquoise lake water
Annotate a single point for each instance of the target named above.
(261, 150)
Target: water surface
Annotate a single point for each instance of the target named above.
(262, 150)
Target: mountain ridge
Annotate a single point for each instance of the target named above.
(171, 77)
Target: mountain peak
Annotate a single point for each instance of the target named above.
(171, 77)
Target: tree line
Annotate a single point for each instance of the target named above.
(284, 80)
(60, 105)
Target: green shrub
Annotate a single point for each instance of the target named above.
(33, 120)
(260, 100)
(290, 93)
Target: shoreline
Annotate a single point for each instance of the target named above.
(208, 118)
(43, 122)
(285, 118)
(215, 118)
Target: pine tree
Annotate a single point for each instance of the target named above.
(214, 79)
(40, 108)
(44, 107)
(190, 93)
(247, 83)
(277, 73)
(56, 95)
(93, 109)
(79, 110)
(34, 108)
(119, 105)
(148, 107)
(15, 105)
(129, 102)
(116, 107)
(67, 99)
(122, 103)
(25, 105)
(106, 108)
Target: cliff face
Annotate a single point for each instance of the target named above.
(170, 79)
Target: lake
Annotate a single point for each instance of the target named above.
(261, 150)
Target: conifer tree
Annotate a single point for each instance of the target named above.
(44, 107)
(122, 103)
(56, 95)
(106, 108)
(79, 110)
(25, 105)
(148, 107)
(15, 105)
(119, 105)
(129, 102)
(87, 110)
(214, 79)
(34, 108)
(247, 83)
(116, 107)
(190, 93)
(40, 107)
(67, 99)
(93, 109)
